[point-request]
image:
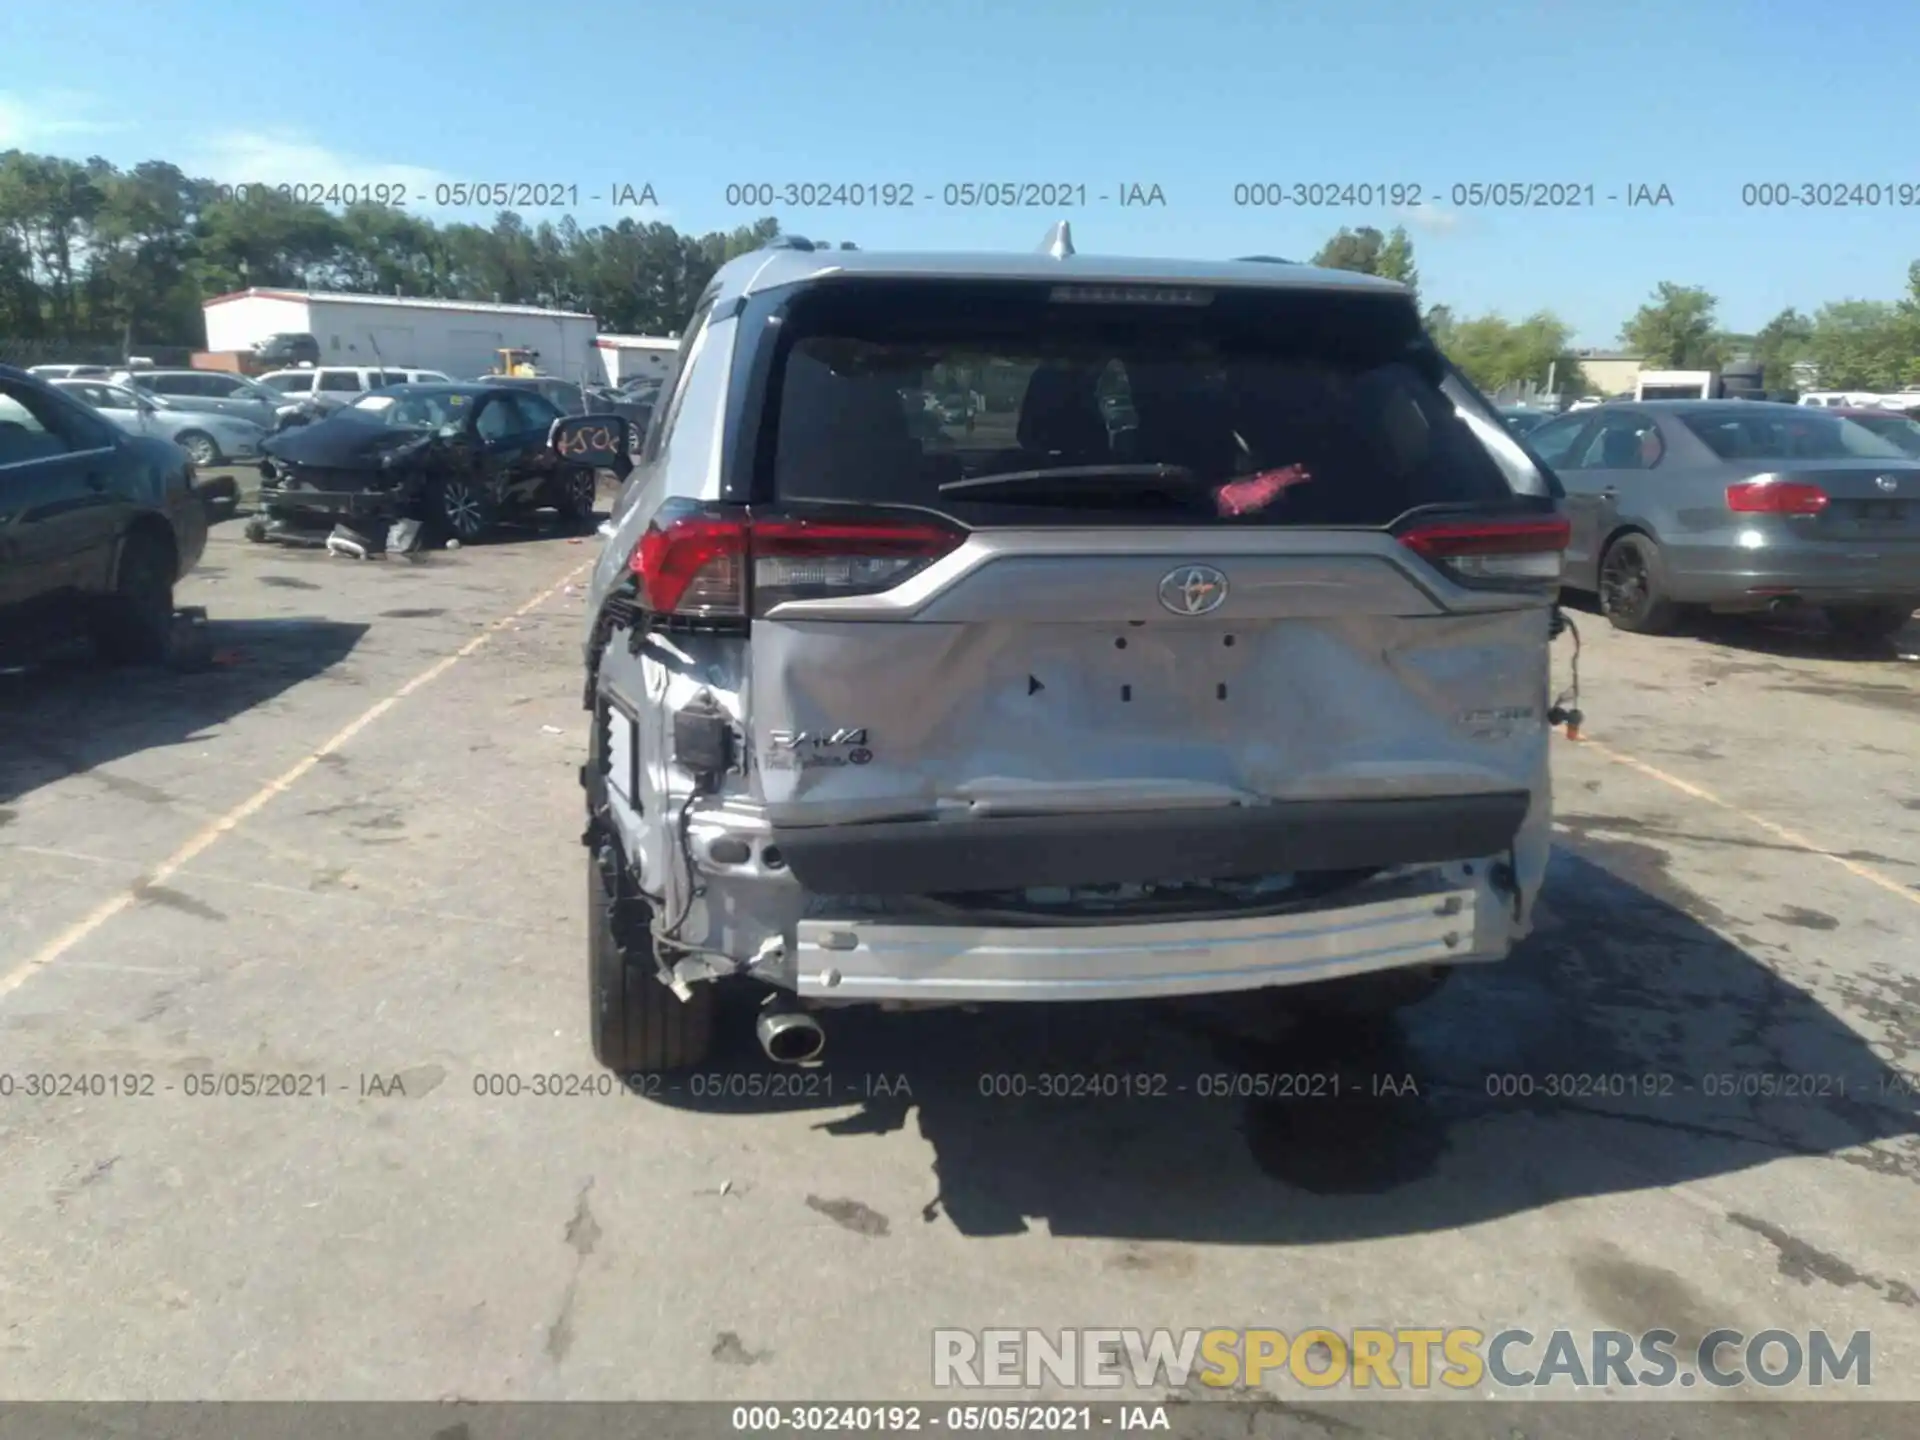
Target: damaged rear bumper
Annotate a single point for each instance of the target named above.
(1445, 915)
(921, 857)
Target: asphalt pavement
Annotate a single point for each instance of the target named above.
(348, 855)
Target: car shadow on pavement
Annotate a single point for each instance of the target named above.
(70, 714)
(1800, 635)
(1626, 1046)
(1803, 638)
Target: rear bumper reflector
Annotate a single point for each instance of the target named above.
(927, 857)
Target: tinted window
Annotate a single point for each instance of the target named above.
(27, 428)
(292, 384)
(1552, 442)
(498, 418)
(1751, 434)
(1288, 407)
(35, 425)
(1897, 429)
(339, 380)
(536, 414)
(1623, 442)
(174, 384)
(225, 387)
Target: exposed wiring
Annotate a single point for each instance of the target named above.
(1566, 706)
(669, 934)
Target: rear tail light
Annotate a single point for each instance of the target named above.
(1493, 552)
(707, 564)
(1775, 497)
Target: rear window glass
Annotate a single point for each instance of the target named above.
(1745, 434)
(1276, 407)
(1898, 429)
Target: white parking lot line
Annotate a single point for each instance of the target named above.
(1779, 832)
(203, 839)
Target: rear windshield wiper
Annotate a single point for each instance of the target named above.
(1076, 477)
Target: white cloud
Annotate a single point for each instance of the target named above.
(48, 117)
(283, 158)
(1431, 218)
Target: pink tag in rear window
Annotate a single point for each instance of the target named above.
(1256, 492)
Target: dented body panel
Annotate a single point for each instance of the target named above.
(1033, 705)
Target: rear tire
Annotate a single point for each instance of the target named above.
(576, 495)
(134, 625)
(1632, 588)
(1868, 622)
(200, 446)
(638, 1025)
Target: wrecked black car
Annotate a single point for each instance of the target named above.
(455, 458)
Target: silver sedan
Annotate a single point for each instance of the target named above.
(1736, 505)
(210, 438)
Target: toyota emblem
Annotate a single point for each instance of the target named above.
(1886, 482)
(1193, 590)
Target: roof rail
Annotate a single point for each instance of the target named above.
(1059, 241)
(1264, 260)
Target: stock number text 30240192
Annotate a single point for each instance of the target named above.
(1831, 195)
(1461, 195)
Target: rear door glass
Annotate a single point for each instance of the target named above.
(1273, 407)
(1746, 434)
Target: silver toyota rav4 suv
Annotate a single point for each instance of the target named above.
(1045, 627)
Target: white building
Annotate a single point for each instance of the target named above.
(625, 356)
(461, 337)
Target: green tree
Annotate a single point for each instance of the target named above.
(1396, 260)
(1496, 352)
(1676, 330)
(1357, 250)
(1863, 345)
(93, 254)
(1780, 344)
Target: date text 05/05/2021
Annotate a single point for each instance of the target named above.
(448, 195)
(1459, 195)
(1046, 1418)
(949, 195)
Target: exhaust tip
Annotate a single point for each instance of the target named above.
(790, 1037)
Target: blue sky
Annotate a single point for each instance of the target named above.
(1703, 96)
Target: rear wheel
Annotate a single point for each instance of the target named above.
(200, 446)
(1869, 622)
(134, 624)
(576, 494)
(638, 1024)
(1632, 590)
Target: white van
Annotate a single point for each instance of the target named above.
(1676, 385)
(1847, 399)
(331, 386)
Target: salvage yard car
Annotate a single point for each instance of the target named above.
(1011, 717)
(96, 526)
(1737, 506)
(456, 457)
(209, 437)
(216, 390)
